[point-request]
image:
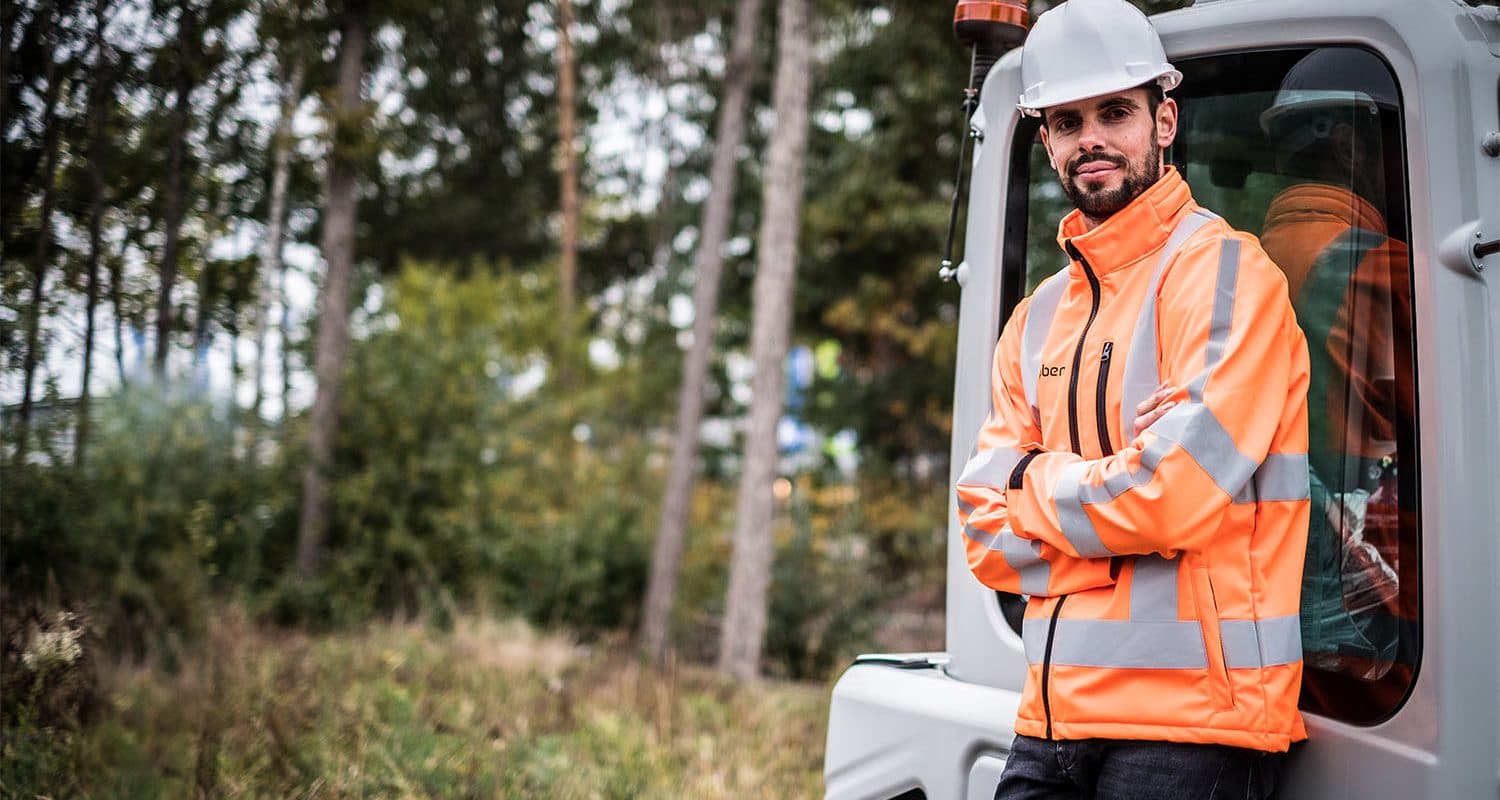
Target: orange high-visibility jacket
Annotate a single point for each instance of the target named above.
(1348, 282)
(1163, 570)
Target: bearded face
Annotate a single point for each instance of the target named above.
(1095, 196)
(1107, 149)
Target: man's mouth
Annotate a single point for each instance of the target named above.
(1095, 168)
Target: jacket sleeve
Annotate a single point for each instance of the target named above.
(1228, 339)
(998, 557)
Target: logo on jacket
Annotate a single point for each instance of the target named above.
(1050, 372)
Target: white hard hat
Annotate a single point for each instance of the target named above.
(1087, 48)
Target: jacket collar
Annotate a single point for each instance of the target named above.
(1133, 232)
(1312, 201)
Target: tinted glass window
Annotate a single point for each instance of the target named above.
(1304, 149)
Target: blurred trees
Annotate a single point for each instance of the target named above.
(744, 632)
(708, 268)
(176, 172)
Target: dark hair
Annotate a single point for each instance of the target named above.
(1154, 96)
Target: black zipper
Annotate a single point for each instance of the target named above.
(1099, 400)
(1078, 352)
(1047, 663)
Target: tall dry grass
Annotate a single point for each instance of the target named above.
(486, 709)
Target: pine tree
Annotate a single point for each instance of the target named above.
(743, 635)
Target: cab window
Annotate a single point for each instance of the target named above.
(1304, 148)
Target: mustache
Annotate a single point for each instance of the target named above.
(1091, 158)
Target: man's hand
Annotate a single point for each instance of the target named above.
(1152, 408)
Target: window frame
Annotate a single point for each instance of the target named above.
(1396, 161)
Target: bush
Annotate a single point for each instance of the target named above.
(846, 556)
(465, 476)
(141, 534)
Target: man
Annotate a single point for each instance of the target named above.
(1163, 567)
(1349, 284)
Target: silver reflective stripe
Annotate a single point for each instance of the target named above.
(1038, 321)
(1179, 644)
(1071, 517)
(1022, 555)
(1282, 476)
(1153, 589)
(1121, 482)
(1195, 428)
(1034, 639)
(1072, 495)
(1122, 644)
(990, 468)
(1025, 557)
(1222, 319)
(965, 508)
(1250, 644)
(1141, 376)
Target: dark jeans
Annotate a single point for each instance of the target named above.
(1118, 769)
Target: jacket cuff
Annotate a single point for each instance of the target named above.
(1019, 473)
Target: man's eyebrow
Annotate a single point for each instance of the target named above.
(1119, 102)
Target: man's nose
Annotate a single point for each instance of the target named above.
(1090, 135)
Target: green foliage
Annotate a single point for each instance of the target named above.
(846, 555)
(459, 481)
(161, 510)
(464, 476)
(880, 176)
(851, 554)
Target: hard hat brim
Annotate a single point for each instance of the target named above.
(1041, 96)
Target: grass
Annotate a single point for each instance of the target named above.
(487, 709)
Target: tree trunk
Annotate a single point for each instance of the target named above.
(117, 302)
(99, 97)
(568, 167)
(281, 171)
(708, 263)
(338, 251)
(9, 11)
(750, 568)
(50, 126)
(202, 340)
(236, 372)
(187, 38)
(283, 337)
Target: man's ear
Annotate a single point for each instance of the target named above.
(1166, 123)
(1047, 144)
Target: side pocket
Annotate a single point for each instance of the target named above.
(1208, 617)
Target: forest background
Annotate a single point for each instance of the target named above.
(347, 352)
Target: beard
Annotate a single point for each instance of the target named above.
(1101, 203)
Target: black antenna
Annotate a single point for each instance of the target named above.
(990, 28)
